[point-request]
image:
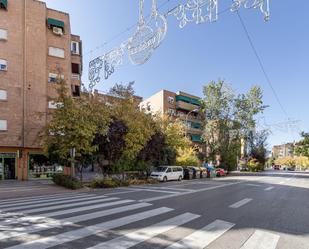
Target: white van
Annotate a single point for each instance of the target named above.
(166, 173)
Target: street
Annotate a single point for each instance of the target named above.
(265, 211)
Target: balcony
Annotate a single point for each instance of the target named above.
(186, 106)
(196, 138)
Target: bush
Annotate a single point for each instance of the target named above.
(107, 183)
(254, 165)
(67, 181)
(142, 181)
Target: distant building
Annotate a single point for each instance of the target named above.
(284, 150)
(36, 49)
(180, 105)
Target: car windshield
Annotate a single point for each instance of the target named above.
(161, 169)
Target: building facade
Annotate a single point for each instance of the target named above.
(36, 49)
(284, 150)
(181, 105)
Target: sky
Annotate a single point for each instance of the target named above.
(191, 57)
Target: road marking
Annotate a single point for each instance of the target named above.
(202, 238)
(80, 201)
(254, 185)
(41, 202)
(181, 194)
(282, 182)
(124, 192)
(22, 189)
(168, 188)
(240, 203)
(89, 230)
(156, 190)
(261, 240)
(62, 212)
(131, 239)
(269, 188)
(48, 223)
(289, 179)
(40, 197)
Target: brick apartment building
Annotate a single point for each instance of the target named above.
(180, 105)
(36, 48)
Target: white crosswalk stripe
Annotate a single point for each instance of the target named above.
(23, 203)
(80, 203)
(240, 203)
(262, 240)
(42, 197)
(134, 238)
(52, 223)
(61, 201)
(89, 230)
(202, 238)
(67, 220)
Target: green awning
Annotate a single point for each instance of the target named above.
(4, 4)
(188, 100)
(54, 23)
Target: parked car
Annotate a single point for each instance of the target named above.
(276, 167)
(166, 173)
(196, 172)
(188, 173)
(220, 172)
(292, 168)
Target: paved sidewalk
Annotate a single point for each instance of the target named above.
(15, 189)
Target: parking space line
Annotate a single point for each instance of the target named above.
(240, 203)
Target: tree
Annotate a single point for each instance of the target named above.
(73, 125)
(140, 127)
(187, 157)
(302, 147)
(110, 145)
(257, 145)
(174, 132)
(228, 118)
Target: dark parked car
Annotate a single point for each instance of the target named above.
(188, 173)
(276, 167)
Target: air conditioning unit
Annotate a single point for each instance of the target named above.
(57, 31)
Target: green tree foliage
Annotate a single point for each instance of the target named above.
(302, 148)
(257, 143)
(228, 118)
(187, 157)
(74, 124)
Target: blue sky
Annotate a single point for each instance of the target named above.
(191, 57)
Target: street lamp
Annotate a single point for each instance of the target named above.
(187, 116)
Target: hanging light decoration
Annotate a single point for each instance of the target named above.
(141, 45)
(158, 23)
(149, 35)
(198, 11)
(263, 5)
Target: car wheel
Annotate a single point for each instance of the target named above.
(180, 178)
(165, 179)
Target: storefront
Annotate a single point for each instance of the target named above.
(8, 166)
(39, 167)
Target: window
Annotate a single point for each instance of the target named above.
(3, 65)
(3, 34)
(53, 77)
(171, 111)
(75, 68)
(3, 4)
(57, 52)
(54, 23)
(75, 90)
(3, 95)
(3, 125)
(170, 100)
(75, 47)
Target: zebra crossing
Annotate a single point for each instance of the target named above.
(84, 220)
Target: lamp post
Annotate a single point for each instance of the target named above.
(194, 110)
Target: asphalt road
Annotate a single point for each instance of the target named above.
(247, 211)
